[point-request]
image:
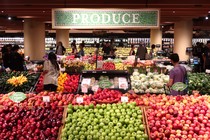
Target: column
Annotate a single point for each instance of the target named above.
(34, 39)
(183, 33)
(63, 36)
(155, 36)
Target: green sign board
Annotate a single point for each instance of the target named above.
(17, 97)
(105, 83)
(67, 18)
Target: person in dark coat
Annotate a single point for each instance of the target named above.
(17, 61)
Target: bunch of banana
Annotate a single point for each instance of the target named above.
(17, 81)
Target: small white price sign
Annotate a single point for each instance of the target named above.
(46, 98)
(79, 100)
(124, 99)
(84, 89)
(95, 88)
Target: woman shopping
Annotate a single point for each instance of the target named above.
(51, 72)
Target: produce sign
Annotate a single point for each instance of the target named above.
(17, 97)
(105, 83)
(110, 122)
(66, 18)
(179, 86)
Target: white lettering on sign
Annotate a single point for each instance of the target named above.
(105, 18)
(135, 18)
(85, 18)
(115, 18)
(75, 18)
(124, 16)
(96, 17)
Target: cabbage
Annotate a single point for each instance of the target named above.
(136, 90)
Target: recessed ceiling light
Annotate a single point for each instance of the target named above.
(162, 26)
(9, 18)
(206, 18)
(23, 20)
(2, 11)
(208, 11)
(43, 11)
(174, 11)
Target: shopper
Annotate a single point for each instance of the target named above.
(51, 72)
(177, 74)
(73, 44)
(107, 48)
(152, 52)
(17, 61)
(132, 51)
(74, 50)
(81, 51)
(141, 52)
(60, 49)
(206, 56)
(6, 56)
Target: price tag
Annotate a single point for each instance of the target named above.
(86, 81)
(123, 83)
(84, 89)
(124, 99)
(46, 98)
(95, 88)
(79, 100)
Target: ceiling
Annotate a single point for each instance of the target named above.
(170, 10)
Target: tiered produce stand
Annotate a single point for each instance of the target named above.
(142, 111)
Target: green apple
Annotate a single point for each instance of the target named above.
(91, 106)
(119, 124)
(82, 137)
(98, 106)
(117, 134)
(141, 127)
(126, 138)
(132, 138)
(145, 136)
(122, 133)
(113, 137)
(103, 106)
(89, 137)
(119, 138)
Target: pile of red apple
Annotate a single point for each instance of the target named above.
(25, 123)
(87, 100)
(6, 101)
(108, 65)
(71, 84)
(107, 95)
(40, 84)
(56, 99)
(186, 122)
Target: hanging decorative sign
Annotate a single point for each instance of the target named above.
(68, 18)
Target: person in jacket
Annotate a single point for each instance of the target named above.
(17, 61)
(60, 49)
(132, 51)
(51, 72)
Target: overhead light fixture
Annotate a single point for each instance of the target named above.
(9, 18)
(2, 11)
(23, 20)
(162, 26)
(206, 17)
(43, 11)
(174, 11)
(208, 11)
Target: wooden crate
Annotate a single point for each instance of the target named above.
(147, 124)
(63, 122)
